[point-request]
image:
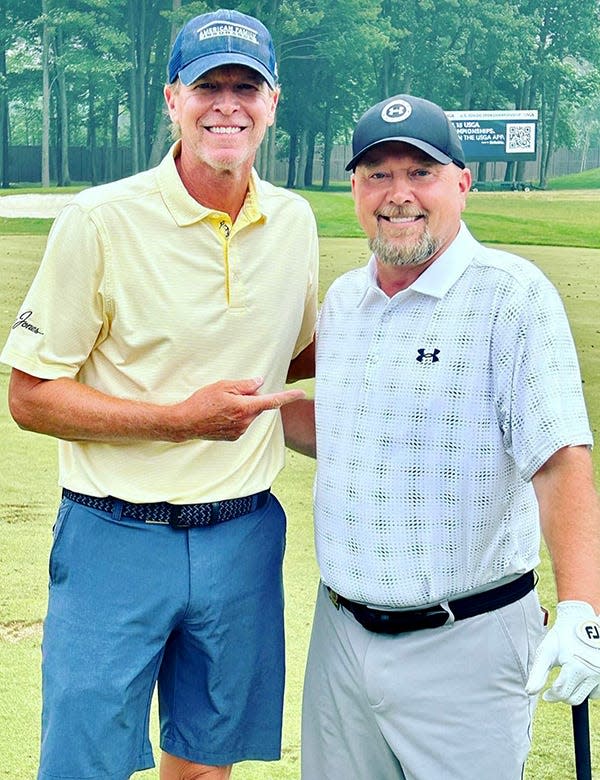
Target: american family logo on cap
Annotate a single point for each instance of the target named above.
(411, 120)
(218, 29)
(223, 37)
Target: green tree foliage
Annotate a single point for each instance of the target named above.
(105, 67)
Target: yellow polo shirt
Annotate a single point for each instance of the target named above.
(145, 294)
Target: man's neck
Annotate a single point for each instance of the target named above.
(394, 278)
(219, 190)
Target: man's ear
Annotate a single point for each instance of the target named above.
(464, 185)
(274, 96)
(170, 91)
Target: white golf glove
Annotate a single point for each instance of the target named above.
(572, 643)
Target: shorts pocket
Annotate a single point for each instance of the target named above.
(55, 570)
(522, 625)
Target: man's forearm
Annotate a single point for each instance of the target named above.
(570, 519)
(67, 409)
(299, 427)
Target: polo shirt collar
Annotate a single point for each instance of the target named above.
(440, 276)
(184, 209)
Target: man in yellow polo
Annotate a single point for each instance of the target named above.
(154, 344)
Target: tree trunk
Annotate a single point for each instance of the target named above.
(113, 172)
(384, 65)
(551, 136)
(327, 147)
(45, 172)
(4, 115)
(164, 123)
(63, 111)
(543, 131)
(302, 156)
(91, 133)
(137, 82)
(293, 154)
(271, 150)
(385, 77)
(585, 148)
(310, 156)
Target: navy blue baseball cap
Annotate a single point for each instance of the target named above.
(223, 37)
(413, 121)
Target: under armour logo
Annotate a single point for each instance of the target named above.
(428, 357)
(396, 111)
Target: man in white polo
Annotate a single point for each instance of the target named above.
(449, 423)
(155, 344)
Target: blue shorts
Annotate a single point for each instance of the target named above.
(199, 611)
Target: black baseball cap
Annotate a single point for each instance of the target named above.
(223, 37)
(412, 120)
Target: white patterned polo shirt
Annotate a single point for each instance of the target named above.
(434, 410)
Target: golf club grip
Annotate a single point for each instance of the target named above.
(581, 739)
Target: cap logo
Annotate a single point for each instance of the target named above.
(396, 111)
(229, 30)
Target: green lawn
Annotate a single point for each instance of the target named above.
(28, 491)
(549, 218)
(577, 181)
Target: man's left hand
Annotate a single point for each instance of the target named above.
(572, 643)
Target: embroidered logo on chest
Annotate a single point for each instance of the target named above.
(428, 357)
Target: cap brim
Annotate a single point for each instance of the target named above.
(422, 145)
(202, 65)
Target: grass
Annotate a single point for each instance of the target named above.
(29, 226)
(541, 218)
(28, 188)
(29, 494)
(586, 180)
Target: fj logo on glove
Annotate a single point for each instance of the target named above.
(589, 632)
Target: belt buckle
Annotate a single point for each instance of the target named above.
(444, 608)
(159, 518)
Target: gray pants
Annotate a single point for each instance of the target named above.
(437, 704)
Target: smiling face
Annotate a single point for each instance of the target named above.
(223, 117)
(408, 204)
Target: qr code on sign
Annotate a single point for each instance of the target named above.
(520, 138)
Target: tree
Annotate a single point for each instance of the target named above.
(566, 32)
(329, 74)
(91, 72)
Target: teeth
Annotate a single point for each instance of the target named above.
(402, 220)
(225, 130)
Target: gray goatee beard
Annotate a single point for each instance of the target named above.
(390, 253)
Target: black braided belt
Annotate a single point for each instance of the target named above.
(400, 621)
(175, 515)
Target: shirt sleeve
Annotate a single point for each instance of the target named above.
(65, 311)
(539, 391)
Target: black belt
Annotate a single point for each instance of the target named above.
(400, 621)
(175, 515)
